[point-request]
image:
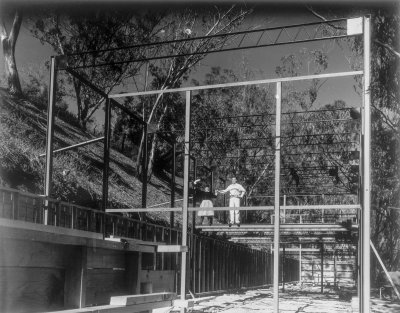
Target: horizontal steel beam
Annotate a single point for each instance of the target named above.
(190, 209)
(268, 240)
(248, 208)
(270, 228)
(81, 144)
(237, 84)
(299, 249)
(172, 248)
(105, 95)
(331, 23)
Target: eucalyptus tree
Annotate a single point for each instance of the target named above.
(8, 43)
(104, 33)
(385, 97)
(171, 72)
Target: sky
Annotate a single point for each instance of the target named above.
(31, 54)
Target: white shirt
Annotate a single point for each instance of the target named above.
(235, 190)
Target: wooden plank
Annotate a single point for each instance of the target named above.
(209, 265)
(140, 299)
(172, 248)
(203, 265)
(134, 241)
(162, 281)
(105, 283)
(183, 304)
(7, 223)
(105, 258)
(58, 235)
(120, 309)
(193, 257)
(162, 255)
(225, 265)
(24, 253)
(26, 289)
(235, 271)
(212, 264)
(199, 265)
(132, 270)
(76, 278)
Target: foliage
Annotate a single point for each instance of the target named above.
(170, 72)
(385, 96)
(233, 134)
(96, 31)
(385, 151)
(77, 174)
(8, 43)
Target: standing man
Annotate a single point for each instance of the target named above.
(236, 192)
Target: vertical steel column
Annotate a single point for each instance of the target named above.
(194, 193)
(185, 194)
(300, 264)
(283, 266)
(173, 171)
(277, 183)
(144, 169)
(106, 159)
(366, 208)
(322, 267)
(50, 131)
(284, 208)
(334, 269)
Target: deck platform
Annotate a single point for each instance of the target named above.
(269, 228)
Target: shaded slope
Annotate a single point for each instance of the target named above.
(22, 140)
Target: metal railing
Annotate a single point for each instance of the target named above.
(24, 206)
(222, 257)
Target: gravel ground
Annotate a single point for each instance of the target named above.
(261, 300)
(293, 300)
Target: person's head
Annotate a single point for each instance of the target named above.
(233, 180)
(207, 189)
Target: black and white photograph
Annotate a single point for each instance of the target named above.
(199, 156)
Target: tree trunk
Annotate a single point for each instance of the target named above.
(79, 103)
(154, 144)
(141, 146)
(139, 157)
(8, 43)
(151, 157)
(13, 83)
(123, 142)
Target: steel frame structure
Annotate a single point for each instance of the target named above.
(325, 30)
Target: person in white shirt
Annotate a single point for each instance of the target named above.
(236, 192)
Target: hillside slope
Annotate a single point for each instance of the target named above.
(22, 140)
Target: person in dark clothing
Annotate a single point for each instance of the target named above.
(206, 197)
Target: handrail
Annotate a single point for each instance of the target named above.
(139, 231)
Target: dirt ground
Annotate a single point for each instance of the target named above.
(293, 300)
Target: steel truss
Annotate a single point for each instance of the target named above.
(250, 39)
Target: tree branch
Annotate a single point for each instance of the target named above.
(387, 47)
(386, 119)
(15, 29)
(3, 30)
